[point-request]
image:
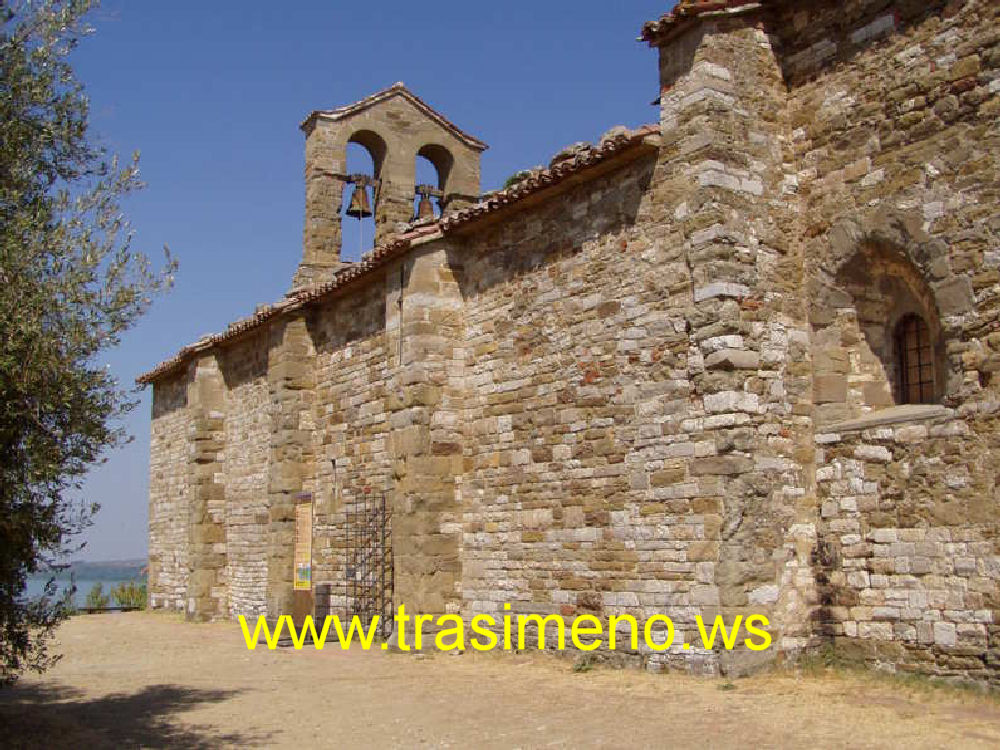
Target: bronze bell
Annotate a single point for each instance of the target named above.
(426, 209)
(360, 208)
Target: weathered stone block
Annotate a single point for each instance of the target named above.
(829, 389)
(724, 465)
(732, 359)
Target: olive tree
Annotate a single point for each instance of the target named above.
(70, 285)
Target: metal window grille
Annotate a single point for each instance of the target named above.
(916, 362)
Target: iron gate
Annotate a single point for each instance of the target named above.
(368, 580)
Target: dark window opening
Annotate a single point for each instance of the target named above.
(915, 352)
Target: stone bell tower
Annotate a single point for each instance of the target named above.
(395, 127)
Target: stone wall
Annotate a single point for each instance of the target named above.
(353, 460)
(908, 540)
(727, 154)
(291, 375)
(895, 135)
(427, 405)
(894, 111)
(576, 360)
(207, 589)
(169, 494)
(248, 430)
(666, 386)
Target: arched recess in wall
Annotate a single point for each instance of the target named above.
(432, 169)
(365, 155)
(879, 337)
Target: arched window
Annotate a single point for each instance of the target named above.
(915, 362)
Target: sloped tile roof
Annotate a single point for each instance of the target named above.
(546, 178)
(564, 166)
(292, 302)
(397, 89)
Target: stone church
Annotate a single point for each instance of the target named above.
(738, 361)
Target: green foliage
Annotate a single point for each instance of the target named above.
(583, 664)
(130, 594)
(70, 286)
(515, 178)
(96, 598)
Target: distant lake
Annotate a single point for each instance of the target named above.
(85, 575)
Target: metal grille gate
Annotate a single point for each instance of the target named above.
(368, 580)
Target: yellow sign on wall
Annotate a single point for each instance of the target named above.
(303, 545)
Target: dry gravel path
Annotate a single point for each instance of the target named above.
(154, 681)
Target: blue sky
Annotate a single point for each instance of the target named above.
(212, 93)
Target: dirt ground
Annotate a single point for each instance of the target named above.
(154, 681)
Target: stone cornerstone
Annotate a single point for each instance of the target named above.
(738, 362)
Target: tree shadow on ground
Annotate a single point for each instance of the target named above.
(56, 716)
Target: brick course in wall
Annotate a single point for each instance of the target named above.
(659, 376)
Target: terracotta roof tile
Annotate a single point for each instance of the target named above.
(686, 11)
(537, 181)
(293, 301)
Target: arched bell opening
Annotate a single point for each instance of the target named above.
(374, 144)
(365, 155)
(432, 170)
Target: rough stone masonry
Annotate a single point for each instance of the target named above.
(740, 361)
